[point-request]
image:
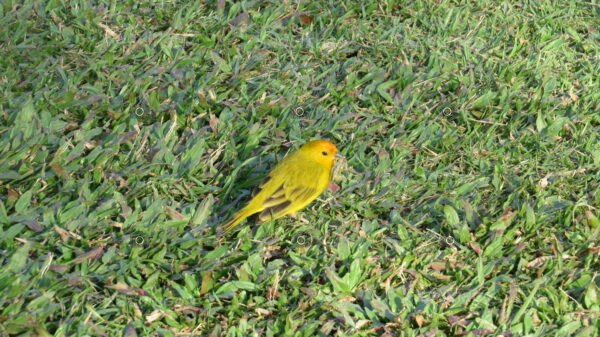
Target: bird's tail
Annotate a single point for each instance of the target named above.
(238, 217)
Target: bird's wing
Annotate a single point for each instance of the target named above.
(287, 201)
(290, 197)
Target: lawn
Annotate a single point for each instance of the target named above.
(468, 202)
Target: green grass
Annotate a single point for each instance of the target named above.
(469, 201)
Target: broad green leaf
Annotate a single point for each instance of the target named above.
(451, 215)
(233, 286)
(217, 253)
(24, 202)
(18, 260)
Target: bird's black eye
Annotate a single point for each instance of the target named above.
(324, 153)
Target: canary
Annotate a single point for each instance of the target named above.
(296, 181)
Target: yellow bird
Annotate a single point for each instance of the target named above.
(296, 181)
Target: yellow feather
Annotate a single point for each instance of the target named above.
(296, 181)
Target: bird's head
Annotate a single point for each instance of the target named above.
(321, 151)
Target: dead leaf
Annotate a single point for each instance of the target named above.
(207, 283)
(154, 316)
(593, 250)
(122, 182)
(333, 187)
(592, 220)
(507, 216)
(34, 225)
(125, 289)
(137, 312)
(448, 300)
(280, 134)
(543, 182)
(309, 291)
(454, 320)
(72, 125)
(329, 46)
(361, 323)
(64, 234)
(520, 246)
(90, 145)
(174, 214)
(23, 241)
(59, 170)
(213, 122)
(108, 31)
(382, 153)
(440, 276)
(240, 20)
(535, 318)
(347, 298)
(127, 136)
(573, 96)
(476, 247)
(262, 312)
(535, 263)
(180, 308)
(91, 255)
(305, 19)
(272, 293)
(420, 320)
(13, 195)
(437, 266)
(74, 280)
(59, 268)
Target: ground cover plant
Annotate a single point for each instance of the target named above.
(467, 203)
